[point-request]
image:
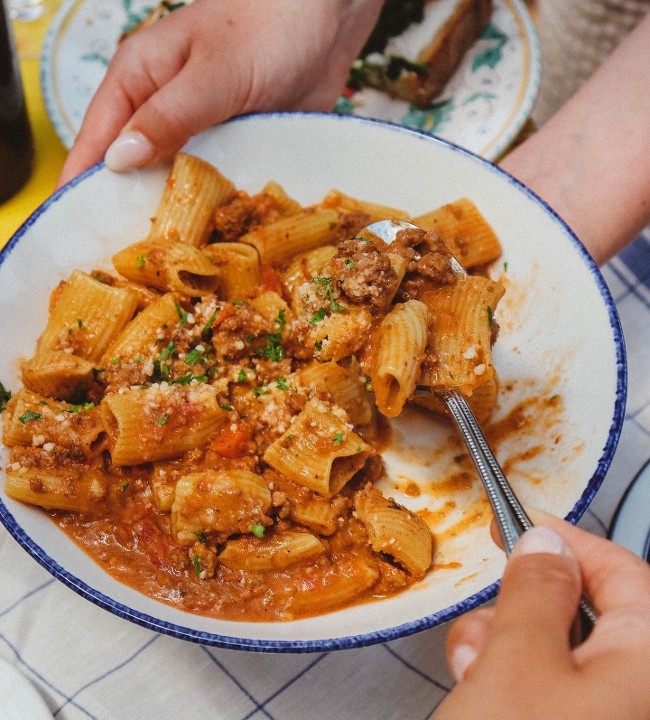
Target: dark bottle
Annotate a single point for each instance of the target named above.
(16, 145)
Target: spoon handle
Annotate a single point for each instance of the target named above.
(511, 517)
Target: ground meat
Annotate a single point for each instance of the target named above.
(363, 273)
(243, 214)
(127, 373)
(349, 225)
(36, 457)
(426, 254)
(427, 262)
(241, 331)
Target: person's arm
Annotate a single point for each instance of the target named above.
(591, 161)
(515, 660)
(210, 61)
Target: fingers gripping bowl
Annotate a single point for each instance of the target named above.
(560, 358)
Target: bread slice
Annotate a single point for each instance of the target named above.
(417, 64)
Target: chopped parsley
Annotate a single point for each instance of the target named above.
(490, 316)
(168, 351)
(281, 320)
(318, 316)
(163, 420)
(338, 438)
(273, 350)
(197, 564)
(29, 416)
(182, 314)
(187, 379)
(79, 408)
(4, 397)
(242, 377)
(208, 326)
(281, 384)
(194, 355)
(160, 371)
(258, 530)
(140, 261)
(326, 292)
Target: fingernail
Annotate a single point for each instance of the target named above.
(129, 150)
(541, 540)
(461, 658)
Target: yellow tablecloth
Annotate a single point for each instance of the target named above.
(49, 151)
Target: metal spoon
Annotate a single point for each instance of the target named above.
(511, 517)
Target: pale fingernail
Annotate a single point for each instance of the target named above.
(540, 540)
(129, 150)
(461, 658)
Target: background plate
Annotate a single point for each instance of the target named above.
(483, 107)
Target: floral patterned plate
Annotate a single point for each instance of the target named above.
(483, 107)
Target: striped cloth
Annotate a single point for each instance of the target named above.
(88, 663)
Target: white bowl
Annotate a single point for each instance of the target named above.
(560, 336)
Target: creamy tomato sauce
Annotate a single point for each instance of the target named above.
(223, 452)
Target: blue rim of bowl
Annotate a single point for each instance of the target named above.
(398, 631)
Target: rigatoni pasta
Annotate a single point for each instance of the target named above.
(192, 193)
(205, 418)
(87, 315)
(169, 266)
(318, 450)
(296, 233)
(467, 233)
(403, 337)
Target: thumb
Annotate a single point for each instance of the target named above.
(539, 596)
(535, 609)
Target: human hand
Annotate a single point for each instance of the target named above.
(209, 61)
(514, 660)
